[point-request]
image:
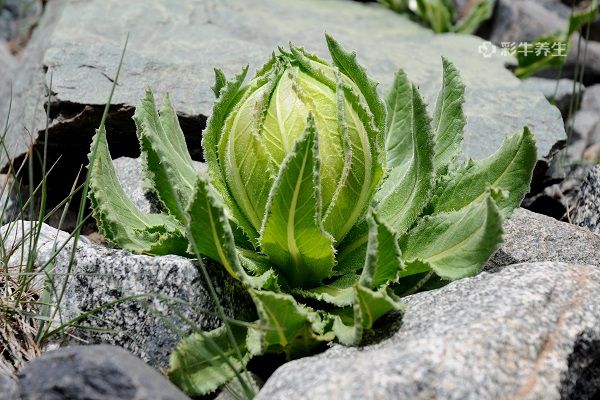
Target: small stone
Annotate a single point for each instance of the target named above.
(586, 212)
(529, 331)
(94, 373)
(591, 99)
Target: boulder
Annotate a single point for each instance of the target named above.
(174, 49)
(93, 372)
(586, 212)
(532, 237)
(529, 331)
(142, 303)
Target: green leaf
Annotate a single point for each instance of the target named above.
(406, 190)
(383, 261)
(448, 118)
(509, 169)
(119, 220)
(339, 292)
(578, 19)
(292, 235)
(166, 161)
(554, 54)
(202, 362)
(285, 325)
(374, 304)
(348, 65)
(395, 5)
(436, 13)
(479, 13)
(456, 244)
(220, 82)
(211, 235)
(369, 306)
(228, 95)
(243, 154)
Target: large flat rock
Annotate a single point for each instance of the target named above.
(174, 46)
(529, 331)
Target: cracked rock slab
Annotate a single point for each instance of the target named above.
(529, 331)
(174, 48)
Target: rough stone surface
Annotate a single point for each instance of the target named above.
(529, 331)
(177, 46)
(559, 93)
(586, 212)
(130, 175)
(8, 388)
(591, 99)
(94, 372)
(7, 63)
(148, 325)
(532, 237)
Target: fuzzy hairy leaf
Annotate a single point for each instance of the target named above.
(368, 307)
(118, 218)
(292, 235)
(383, 262)
(347, 64)
(448, 118)
(244, 157)
(339, 292)
(202, 362)
(211, 235)
(285, 325)
(228, 95)
(509, 169)
(405, 192)
(167, 164)
(479, 13)
(456, 244)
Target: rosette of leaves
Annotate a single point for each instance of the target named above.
(326, 203)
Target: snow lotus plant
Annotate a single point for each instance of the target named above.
(327, 204)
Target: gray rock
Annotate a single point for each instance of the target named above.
(131, 177)
(586, 212)
(142, 303)
(129, 173)
(17, 18)
(175, 49)
(8, 388)
(529, 331)
(7, 63)
(234, 391)
(526, 20)
(591, 99)
(558, 92)
(94, 373)
(532, 237)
